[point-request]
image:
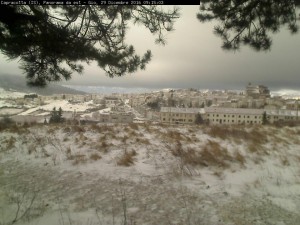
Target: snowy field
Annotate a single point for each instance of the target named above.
(149, 174)
(4, 94)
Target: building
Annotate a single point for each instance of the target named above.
(282, 115)
(233, 116)
(111, 101)
(259, 91)
(174, 115)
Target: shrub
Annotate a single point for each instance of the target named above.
(212, 154)
(127, 158)
(6, 122)
(134, 126)
(78, 159)
(95, 156)
(240, 158)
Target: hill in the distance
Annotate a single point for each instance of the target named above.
(18, 83)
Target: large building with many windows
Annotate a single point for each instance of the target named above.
(233, 116)
(173, 115)
(259, 91)
(216, 115)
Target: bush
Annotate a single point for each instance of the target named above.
(127, 158)
(95, 156)
(6, 122)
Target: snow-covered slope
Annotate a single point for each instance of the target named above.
(150, 174)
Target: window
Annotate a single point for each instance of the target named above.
(224, 115)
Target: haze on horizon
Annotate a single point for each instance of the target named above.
(193, 58)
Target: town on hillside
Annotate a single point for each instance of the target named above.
(253, 105)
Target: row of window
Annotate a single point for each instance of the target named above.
(178, 120)
(178, 115)
(232, 121)
(233, 116)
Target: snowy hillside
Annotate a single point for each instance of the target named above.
(149, 174)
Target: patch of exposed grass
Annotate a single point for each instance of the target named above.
(10, 143)
(95, 156)
(134, 126)
(31, 148)
(239, 158)
(284, 161)
(144, 141)
(66, 130)
(78, 159)
(172, 135)
(238, 134)
(78, 129)
(212, 154)
(127, 158)
(101, 147)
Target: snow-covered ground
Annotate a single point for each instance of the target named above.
(150, 174)
(64, 104)
(10, 94)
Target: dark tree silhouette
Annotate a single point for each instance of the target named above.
(56, 116)
(199, 119)
(249, 22)
(51, 40)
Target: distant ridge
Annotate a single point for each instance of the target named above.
(18, 83)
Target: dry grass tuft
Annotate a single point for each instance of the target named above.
(127, 159)
(240, 158)
(78, 129)
(101, 147)
(10, 143)
(134, 126)
(32, 148)
(82, 137)
(212, 154)
(67, 130)
(239, 134)
(95, 156)
(284, 161)
(78, 159)
(95, 127)
(173, 135)
(144, 141)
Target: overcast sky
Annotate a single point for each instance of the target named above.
(193, 58)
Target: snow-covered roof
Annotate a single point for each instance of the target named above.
(282, 112)
(234, 111)
(181, 110)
